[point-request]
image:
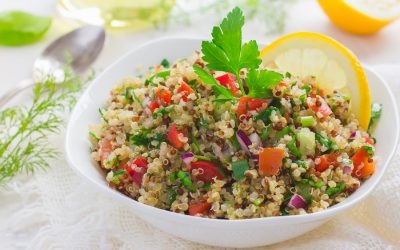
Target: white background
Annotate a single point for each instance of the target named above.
(380, 50)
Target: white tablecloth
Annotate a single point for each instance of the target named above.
(57, 210)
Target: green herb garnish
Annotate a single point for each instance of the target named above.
(171, 196)
(327, 143)
(265, 115)
(119, 172)
(24, 131)
(186, 181)
(162, 74)
(376, 112)
(293, 148)
(207, 78)
(227, 53)
(165, 63)
(369, 150)
(102, 115)
(239, 168)
(334, 190)
(266, 132)
(260, 83)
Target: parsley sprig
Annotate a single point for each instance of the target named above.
(225, 52)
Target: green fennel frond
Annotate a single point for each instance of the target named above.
(25, 130)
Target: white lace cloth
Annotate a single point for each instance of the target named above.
(58, 210)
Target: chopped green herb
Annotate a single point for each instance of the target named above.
(266, 132)
(239, 168)
(207, 78)
(119, 172)
(334, 190)
(206, 158)
(102, 115)
(369, 150)
(376, 112)
(94, 136)
(139, 139)
(288, 75)
(186, 181)
(207, 185)
(165, 63)
(302, 164)
(265, 115)
(307, 88)
(162, 74)
(305, 193)
(283, 132)
(162, 111)
(171, 196)
(235, 143)
(193, 84)
(203, 123)
(173, 176)
(327, 143)
(260, 83)
(293, 148)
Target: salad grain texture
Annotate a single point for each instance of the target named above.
(219, 135)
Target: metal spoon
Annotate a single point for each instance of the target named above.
(79, 48)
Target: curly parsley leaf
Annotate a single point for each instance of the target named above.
(207, 78)
(260, 83)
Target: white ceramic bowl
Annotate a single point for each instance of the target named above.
(224, 233)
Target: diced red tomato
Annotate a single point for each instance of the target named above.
(153, 105)
(137, 175)
(369, 140)
(173, 137)
(270, 161)
(320, 106)
(163, 95)
(364, 167)
(325, 161)
(316, 91)
(209, 171)
(284, 84)
(247, 103)
(186, 89)
(105, 149)
(199, 208)
(228, 80)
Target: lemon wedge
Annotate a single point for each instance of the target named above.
(361, 16)
(334, 66)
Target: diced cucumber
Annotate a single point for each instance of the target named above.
(306, 138)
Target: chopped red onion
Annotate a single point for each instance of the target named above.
(346, 169)
(353, 134)
(255, 139)
(243, 140)
(187, 157)
(297, 202)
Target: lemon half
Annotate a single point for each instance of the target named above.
(361, 16)
(334, 66)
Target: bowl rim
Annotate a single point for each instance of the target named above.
(289, 219)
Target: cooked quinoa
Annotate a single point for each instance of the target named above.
(166, 140)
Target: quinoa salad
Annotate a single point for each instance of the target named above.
(196, 138)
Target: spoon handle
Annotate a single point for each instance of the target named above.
(4, 99)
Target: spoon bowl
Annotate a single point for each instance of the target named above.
(78, 48)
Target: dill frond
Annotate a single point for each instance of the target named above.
(25, 131)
